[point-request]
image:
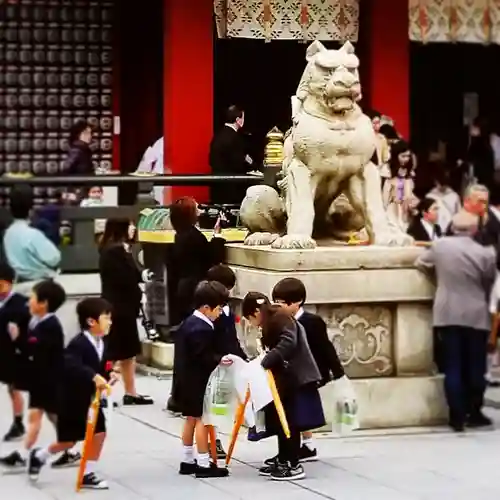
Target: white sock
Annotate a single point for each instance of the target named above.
(43, 454)
(24, 453)
(308, 442)
(203, 460)
(188, 455)
(89, 467)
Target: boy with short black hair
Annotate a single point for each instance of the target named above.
(290, 293)
(44, 348)
(13, 309)
(226, 336)
(85, 371)
(196, 358)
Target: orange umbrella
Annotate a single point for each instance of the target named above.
(238, 422)
(89, 435)
(240, 415)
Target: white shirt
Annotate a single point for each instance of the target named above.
(495, 146)
(231, 125)
(226, 309)
(201, 316)
(35, 320)
(299, 313)
(97, 343)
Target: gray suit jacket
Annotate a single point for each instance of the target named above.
(465, 272)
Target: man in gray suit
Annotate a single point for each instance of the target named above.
(465, 272)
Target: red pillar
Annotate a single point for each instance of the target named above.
(188, 90)
(387, 48)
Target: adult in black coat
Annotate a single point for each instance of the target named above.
(228, 156)
(79, 160)
(120, 279)
(424, 226)
(192, 256)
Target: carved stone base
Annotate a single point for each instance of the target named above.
(378, 310)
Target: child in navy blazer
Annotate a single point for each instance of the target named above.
(13, 309)
(290, 293)
(85, 370)
(44, 349)
(226, 336)
(196, 357)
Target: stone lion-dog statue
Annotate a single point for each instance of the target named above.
(330, 188)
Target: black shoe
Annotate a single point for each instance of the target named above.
(456, 426)
(271, 461)
(212, 471)
(15, 433)
(267, 470)
(286, 472)
(93, 482)
(254, 435)
(34, 465)
(221, 454)
(172, 407)
(479, 420)
(138, 400)
(14, 461)
(187, 469)
(308, 455)
(67, 459)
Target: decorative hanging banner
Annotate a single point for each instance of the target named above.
(288, 19)
(465, 21)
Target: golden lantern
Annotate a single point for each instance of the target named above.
(274, 151)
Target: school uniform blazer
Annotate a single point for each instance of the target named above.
(13, 310)
(81, 365)
(196, 356)
(44, 348)
(226, 336)
(291, 360)
(322, 349)
(418, 232)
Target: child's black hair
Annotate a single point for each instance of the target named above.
(252, 302)
(211, 294)
(290, 291)
(223, 274)
(51, 292)
(6, 272)
(91, 308)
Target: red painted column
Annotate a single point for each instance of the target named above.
(387, 49)
(188, 90)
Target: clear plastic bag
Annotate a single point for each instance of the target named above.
(220, 397)
(345, 414)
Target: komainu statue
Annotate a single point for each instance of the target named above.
(330, 188)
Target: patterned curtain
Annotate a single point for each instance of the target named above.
(469, 21)
(288, 19)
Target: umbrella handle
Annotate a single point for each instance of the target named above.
(89, 434)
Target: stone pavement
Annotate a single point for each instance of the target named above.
(142, 455)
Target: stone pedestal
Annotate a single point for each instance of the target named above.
(377, 307)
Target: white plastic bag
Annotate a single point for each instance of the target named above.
(345, 412)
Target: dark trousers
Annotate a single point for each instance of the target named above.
(463, 358)
(289, 449)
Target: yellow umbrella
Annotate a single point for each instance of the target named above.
(278, 404)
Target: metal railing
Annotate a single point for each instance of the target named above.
(81, 255)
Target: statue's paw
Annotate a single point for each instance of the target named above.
(260, 239)
(294, 241)
(393, 239)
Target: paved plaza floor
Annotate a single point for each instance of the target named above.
(142, 455)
